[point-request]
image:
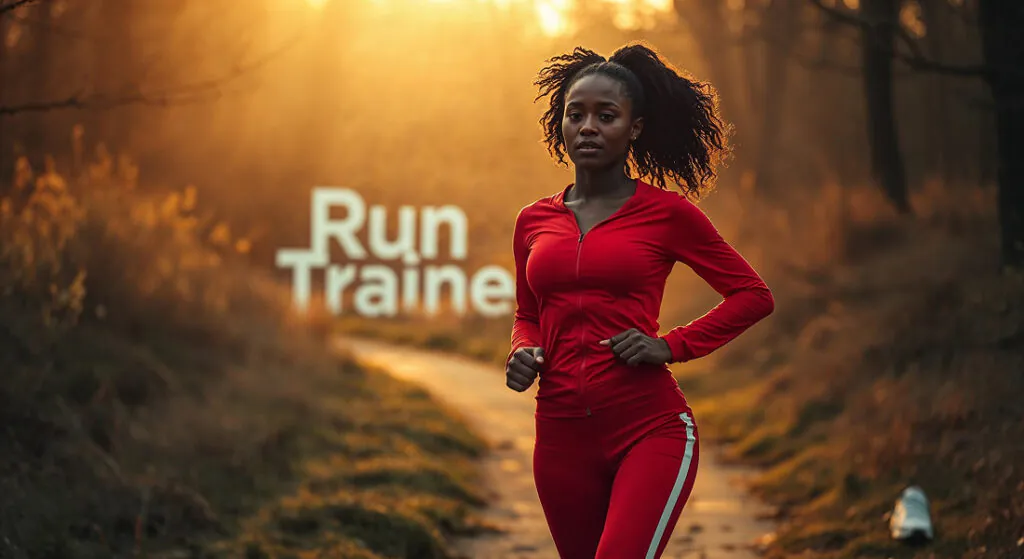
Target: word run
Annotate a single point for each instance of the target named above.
(377, 287)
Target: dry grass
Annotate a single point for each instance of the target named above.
(896, 363)
(908, 372)
(159, 399)
(278, 435)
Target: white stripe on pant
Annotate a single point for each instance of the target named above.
(673, 497)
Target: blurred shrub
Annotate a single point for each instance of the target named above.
(39, 222)
(92, 245)
(117, 304)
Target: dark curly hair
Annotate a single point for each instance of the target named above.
(683, 139)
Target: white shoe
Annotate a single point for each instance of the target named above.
(911, 519)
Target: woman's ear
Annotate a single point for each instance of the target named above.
(636, 129)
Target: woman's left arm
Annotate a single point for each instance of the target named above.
(746, 298)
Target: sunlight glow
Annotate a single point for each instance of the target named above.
(553, 17)
(556, 16)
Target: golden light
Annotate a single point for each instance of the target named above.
(553, 17)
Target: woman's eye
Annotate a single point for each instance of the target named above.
(607, 117)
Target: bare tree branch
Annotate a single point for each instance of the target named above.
(188, 93)
(837, 67)
(97, 102)
(916, 58)
(925, 64)
(819, 62)
(11, 6)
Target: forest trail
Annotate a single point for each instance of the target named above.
(719, 522)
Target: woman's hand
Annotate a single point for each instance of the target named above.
(633, 347)
(524, 366)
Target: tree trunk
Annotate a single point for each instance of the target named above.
(114, 70)
(1000, 21)
(707, 21)
(886, 159)
(829, 92)
(780, 18)
(937, 35)
(7, 73)
(34, 134)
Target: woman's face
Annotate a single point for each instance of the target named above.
(598, 125)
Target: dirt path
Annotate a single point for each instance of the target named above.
(719, 522)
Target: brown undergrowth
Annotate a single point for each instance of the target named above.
(158, 399)
(900, 364)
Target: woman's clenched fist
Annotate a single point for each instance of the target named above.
(523, 367)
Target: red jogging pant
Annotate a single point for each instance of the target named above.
(612, 485)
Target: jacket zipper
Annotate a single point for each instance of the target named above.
(579, 302)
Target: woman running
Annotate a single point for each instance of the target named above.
(616, 451)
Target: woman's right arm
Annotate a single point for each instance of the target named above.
(526, 320)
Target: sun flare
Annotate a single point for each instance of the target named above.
(553, 17)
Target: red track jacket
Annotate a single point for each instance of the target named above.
(573, 291)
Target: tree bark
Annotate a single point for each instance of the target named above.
(38, 81)
(780, 18)
(7, 74)
(1000, 21)
(937, 34)
(887, 164)
(114, 69)
(708, 22)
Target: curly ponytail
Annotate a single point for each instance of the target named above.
(683, 140)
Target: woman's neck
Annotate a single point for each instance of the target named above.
(604, 183)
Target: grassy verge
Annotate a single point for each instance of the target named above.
(904, 369)
(157, 399)
(273, 453)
